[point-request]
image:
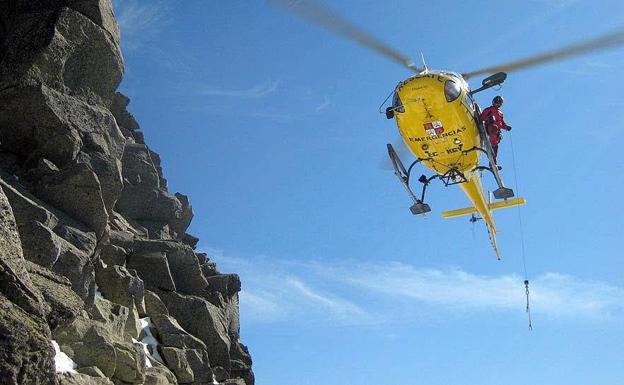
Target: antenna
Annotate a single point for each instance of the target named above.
(425, 68)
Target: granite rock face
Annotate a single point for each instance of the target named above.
(94, 252)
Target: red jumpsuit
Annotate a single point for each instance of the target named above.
(493, 120)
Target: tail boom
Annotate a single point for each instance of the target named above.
(474, 191)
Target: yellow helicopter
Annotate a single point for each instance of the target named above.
(439, 120)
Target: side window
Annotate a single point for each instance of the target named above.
(396, 103)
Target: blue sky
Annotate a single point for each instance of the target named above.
(271, 126)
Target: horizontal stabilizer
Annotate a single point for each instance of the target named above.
(491, 206)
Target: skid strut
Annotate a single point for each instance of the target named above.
(399, 170)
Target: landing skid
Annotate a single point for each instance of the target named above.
(419, 207)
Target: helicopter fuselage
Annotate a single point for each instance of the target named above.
(436, 117)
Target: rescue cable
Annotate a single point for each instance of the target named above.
(526, 275)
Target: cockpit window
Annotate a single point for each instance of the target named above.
(451, 90)
(396, 103)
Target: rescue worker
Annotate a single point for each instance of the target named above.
(492, 118)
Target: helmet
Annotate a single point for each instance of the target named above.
(497, 99)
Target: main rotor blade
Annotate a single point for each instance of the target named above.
(324, 17)
(606, 41)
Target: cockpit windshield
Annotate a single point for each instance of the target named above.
(452, 90)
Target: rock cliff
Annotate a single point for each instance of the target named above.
(95, 262)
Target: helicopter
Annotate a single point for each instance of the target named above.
(439, 120)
